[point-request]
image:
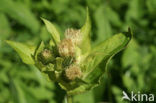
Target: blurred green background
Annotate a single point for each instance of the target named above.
(133, 69)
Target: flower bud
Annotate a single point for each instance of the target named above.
(46, 56)
(73, 72)
(66, 48)
(74, 35)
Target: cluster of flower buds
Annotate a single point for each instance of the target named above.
(67, 48)
(63, 60)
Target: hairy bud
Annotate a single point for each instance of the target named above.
(73, 72)
(46, 56)
(66, 48)
(74, 35)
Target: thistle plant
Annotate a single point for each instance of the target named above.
(72, 62)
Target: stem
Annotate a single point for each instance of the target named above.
(69, 99)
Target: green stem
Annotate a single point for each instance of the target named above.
(69, 99)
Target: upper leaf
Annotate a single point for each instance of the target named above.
(24, 51)
(108, 48)
(104, 51)
(85, 33)
(95, 64)
(52, 30)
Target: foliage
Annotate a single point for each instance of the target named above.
(132, 69)
(71, 62)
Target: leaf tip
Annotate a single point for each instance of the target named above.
(43, 19)
(8, 42)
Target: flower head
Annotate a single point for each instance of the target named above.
(73, 72)
(74, 35)
(46, 56)
(66, 48)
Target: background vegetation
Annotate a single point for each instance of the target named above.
(133, 69)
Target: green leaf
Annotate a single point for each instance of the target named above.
(134, 58)
(81, 98)
(151, 5)
(52, 30)
(4, 27)
(105, 50)
(85, 32)
(20, 13)
(102, 20)
(113, 17)
(21, 94)
(24, 51)
(98, 91)
(129, 82)
(100, 55)
(39, 49)
(118, 94)
(135, 10)
(17, 93)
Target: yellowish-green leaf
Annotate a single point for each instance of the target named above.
(52, 30)
(102, 54)
(24, 51)
(85, 32)
(39, 49)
